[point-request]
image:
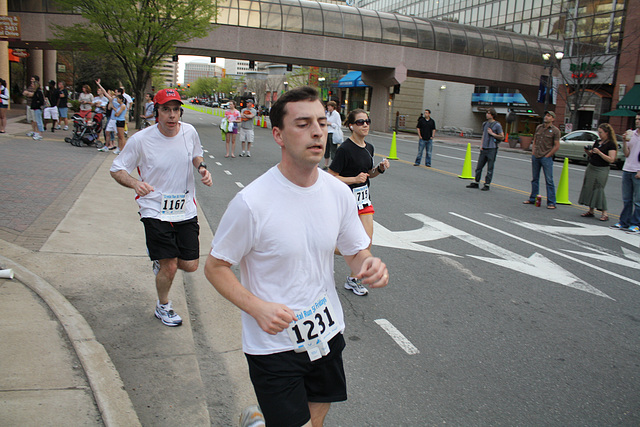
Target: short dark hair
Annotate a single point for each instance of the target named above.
(426, 109)
(493, 112)
(277, 113)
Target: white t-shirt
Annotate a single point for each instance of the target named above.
(632, 163)
(165, 163)
(283, 237)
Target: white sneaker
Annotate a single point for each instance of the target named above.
(104, 149)
(66, 127)
(37, 137)
(58, 127)
(356, 286)
(248, 154)
(165, 313)
(252, 417)
(30, 133)
(116, 151)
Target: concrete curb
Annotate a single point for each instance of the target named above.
(108, 389)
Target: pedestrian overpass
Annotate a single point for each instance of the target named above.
(386, 47)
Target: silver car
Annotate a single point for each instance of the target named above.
(572, 147)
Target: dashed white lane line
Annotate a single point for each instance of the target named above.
(227, 172)
(211, 157)
(239, 184)
(218, 164)
(397, 336)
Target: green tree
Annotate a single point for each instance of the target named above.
(137, 32)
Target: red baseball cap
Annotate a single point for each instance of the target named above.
(165, 95)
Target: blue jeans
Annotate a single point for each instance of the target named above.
(38, 115)
(422, 145)
(630, 200)
(546, 163)
(487, 157)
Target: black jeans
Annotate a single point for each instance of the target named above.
(488, 157)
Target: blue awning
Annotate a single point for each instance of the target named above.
(352, 79)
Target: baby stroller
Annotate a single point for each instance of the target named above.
(86, 129)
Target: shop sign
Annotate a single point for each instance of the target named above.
(9, 28)
(20, 53)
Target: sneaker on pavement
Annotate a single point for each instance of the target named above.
(252, 416)
(116, 151)
(58, 127)
(66, 128)
(248, 154)
(473, 185)
(156, 266)
(633, 229)
(617, 226)
(37, 137)
(165, 313)
(104, 149)
(242, 154)
(356, 286)
(485, 188)
(30, 133)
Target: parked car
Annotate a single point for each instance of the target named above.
(225, 106)
(572, 146)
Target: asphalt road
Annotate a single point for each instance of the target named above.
(497, 313)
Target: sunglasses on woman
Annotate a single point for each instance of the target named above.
(361, 122)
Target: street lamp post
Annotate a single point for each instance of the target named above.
(550, 63)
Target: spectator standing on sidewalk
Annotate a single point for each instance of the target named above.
(37, 104)
(63, 102)
(546, 141)
(164, 156)
(4, 105)
(50, 106)
(426, 132)
(630, 215)
(148, 111)
(86, 100)
(282, 230)
(492, 134)
(28, 94)
(246, 128)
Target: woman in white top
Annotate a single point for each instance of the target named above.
(86, 100)
(334, 138)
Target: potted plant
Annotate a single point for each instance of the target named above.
(513, 139)
(526, 137)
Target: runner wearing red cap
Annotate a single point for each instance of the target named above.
(164, 155)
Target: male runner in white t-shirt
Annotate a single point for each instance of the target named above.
(164, 156)
(282, 230)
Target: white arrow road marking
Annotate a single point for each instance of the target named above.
(577, 229)
(536, 265)
(604, 254)
(397, 336)
(632, 262)
(406, 239)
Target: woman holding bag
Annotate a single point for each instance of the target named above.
(335, 137)
(601, 155)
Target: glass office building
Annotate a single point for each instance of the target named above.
(588, 29)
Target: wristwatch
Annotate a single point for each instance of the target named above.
(202, 165)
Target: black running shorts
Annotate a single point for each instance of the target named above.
(286, 382)
(172, 239)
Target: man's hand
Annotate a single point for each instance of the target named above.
(142, 188)
(273, 317)
(374, 273)
(206, 177)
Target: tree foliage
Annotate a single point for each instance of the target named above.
(137, 32)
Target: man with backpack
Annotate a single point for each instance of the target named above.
(492, 134)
